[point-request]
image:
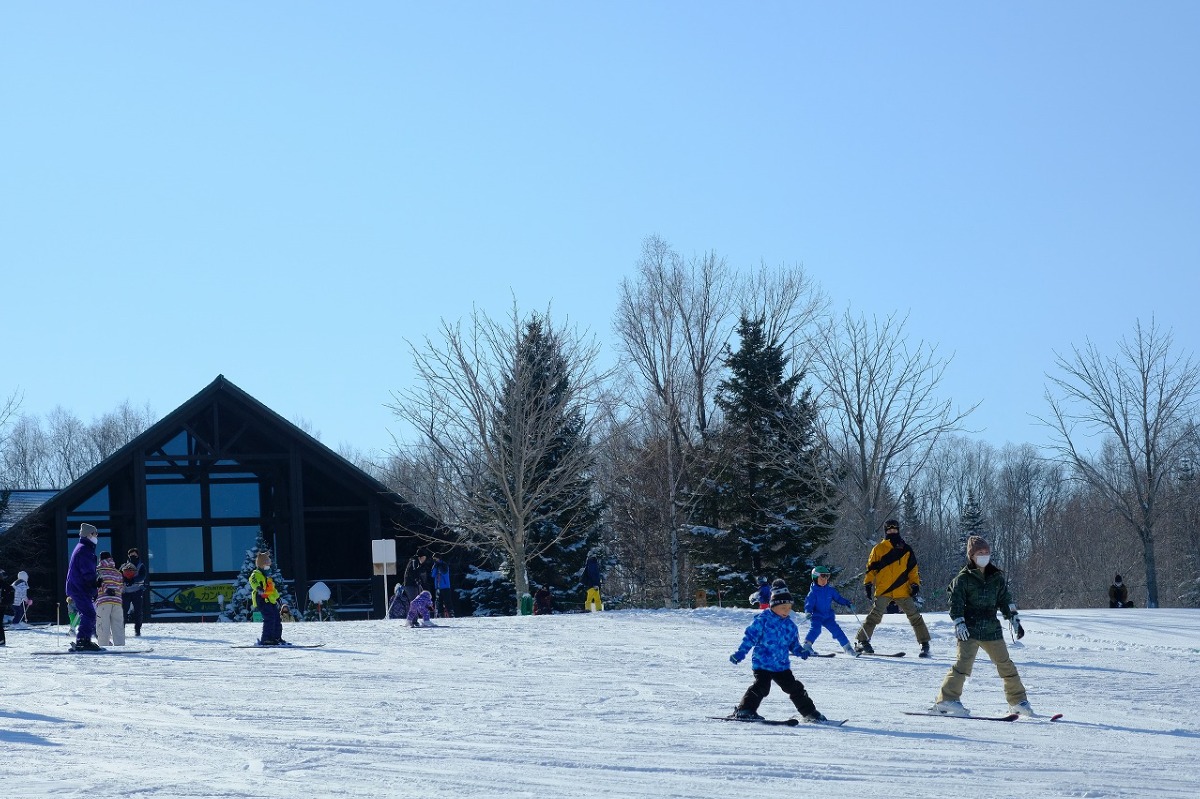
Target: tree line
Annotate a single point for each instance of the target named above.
(747, 430)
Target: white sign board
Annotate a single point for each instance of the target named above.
(383, 551)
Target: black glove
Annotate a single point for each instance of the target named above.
(1018, 630)
(870, 589)
(915, 589)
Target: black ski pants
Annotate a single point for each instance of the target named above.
(787, 683)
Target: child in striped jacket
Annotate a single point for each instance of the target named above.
(110, 618)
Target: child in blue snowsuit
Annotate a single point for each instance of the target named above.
(818, 609)
(773, 636)
(762, 596)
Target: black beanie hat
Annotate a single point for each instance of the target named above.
(780, 595)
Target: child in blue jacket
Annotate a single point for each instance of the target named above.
(818, 609)
(773, 636)
(762, 594)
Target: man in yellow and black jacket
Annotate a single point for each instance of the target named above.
(892, 577)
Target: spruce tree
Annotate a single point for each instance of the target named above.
(766, 506)
(239, 607)
(567, 524)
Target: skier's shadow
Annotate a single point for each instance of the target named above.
(22, 737)
(1176, 733)
(19, 737)
(1076, 667)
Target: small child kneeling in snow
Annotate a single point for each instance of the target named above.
(419, 608)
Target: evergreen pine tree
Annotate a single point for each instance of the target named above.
(239, 607)
(970, 522)
(567, 525)
(766, 506)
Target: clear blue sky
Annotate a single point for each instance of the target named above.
(285, 192)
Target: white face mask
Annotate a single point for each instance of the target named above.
(982, 560)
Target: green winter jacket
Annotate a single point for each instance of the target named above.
(976, 595)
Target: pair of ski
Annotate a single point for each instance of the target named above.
(96, 651)
(277, 646)
(792, 722)
(1007, 717)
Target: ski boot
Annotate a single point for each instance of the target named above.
(949, 707)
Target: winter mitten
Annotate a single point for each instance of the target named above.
(808, 617)
(960, 630)
(735, 658)
(1018, 630)
(870, 589)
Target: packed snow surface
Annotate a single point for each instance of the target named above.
(593, 705)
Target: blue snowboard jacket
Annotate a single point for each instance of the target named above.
(772, 637)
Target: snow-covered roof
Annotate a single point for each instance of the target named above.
(21, 504)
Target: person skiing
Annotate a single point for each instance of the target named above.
(81, 587)
(773, 635)
(762, 595)
(20, 600)
(133, 599)
(262, 587)
(442, 598)
(818, 609)
(976, 593)
(418, 610)
(592, 580)
(892, 577)
(1118, 594)
(110, 618)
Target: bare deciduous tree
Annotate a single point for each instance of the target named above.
(1137, 405)
(882, 416)
(490, 421)
(672, 322)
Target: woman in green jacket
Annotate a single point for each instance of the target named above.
(976, 593)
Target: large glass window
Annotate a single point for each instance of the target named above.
(176, 549)
(229, 545)
(103, 543)
(96, 503)
(233, 500)
(173, 500)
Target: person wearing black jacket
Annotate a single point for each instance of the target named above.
(133, 600)
(416, 576)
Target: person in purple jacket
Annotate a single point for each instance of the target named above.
(773, 636)
(418, 610)
(818, 609)
(81, 587)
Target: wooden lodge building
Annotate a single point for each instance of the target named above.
(192, 493)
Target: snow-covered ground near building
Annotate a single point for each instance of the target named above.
(599, 705)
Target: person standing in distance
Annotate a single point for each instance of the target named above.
(81, 587)
(892, 577)
(592, 578)
(133, 600)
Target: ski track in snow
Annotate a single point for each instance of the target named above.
(609, 704)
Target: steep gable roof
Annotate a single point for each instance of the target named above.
(222, 388)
